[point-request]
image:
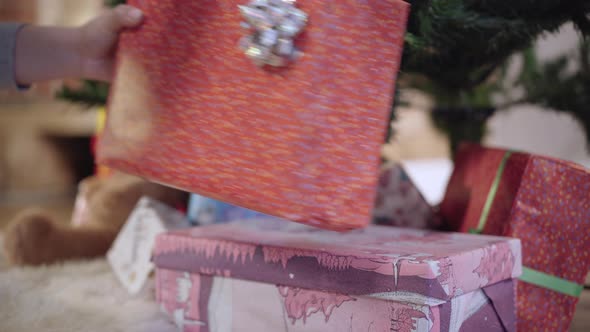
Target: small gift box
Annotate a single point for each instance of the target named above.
(130, 253)
(205, 211)
(543, 201)
(399, 203)
(273, 275)
(276, 106)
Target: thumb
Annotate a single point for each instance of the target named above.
(123, 16)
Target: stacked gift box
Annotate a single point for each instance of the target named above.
(273, 275)
(328, 240)
(545, 203)
(488, 193)
(542, 201)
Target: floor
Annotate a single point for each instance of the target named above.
(65, 303)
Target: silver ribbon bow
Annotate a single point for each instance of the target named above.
(274, 24)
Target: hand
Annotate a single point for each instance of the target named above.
(48, 53)
(98, 40)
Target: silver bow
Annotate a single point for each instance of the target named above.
(273, 24)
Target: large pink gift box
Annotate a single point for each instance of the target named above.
(271, 275)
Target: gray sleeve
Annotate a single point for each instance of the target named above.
(8, 32)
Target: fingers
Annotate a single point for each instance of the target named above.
(123, 16)
(99, 37)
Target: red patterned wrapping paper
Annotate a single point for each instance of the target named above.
(543, 201)
(190, 110)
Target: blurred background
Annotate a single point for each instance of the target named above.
(45, 141)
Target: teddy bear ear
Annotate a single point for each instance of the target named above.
(26, 237)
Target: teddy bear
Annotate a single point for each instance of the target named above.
(34, 237)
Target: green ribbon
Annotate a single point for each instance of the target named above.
(529, 275)
(491, 195)
(553, 283)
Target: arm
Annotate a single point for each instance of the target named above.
(8, 33)
(47, 53)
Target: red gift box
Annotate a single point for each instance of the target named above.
(189, 109)
(543, 201)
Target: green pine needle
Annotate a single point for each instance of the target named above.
(90, 94)
(113, 3)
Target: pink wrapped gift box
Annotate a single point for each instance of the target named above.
(281, 276)
(400, 203)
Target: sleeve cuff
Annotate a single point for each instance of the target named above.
(8, 35)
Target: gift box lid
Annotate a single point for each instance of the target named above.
(189, 108)
(417, 266)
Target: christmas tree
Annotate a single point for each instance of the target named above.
(554, 86)
(457, 51)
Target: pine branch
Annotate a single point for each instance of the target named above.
(91, 93)
(552, 86)
(459, 43)
(397, 102)
(113, 3)
(459, 49)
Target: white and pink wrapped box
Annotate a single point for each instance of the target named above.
(271, 275)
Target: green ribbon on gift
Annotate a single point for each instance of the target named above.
(491, 195)
(529, 275)
(553, 283)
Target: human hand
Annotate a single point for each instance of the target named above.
(98, 40)
(47, 53)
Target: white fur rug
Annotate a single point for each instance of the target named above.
(77, 296)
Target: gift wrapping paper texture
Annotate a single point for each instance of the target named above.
(189, 109)
(282, 276)
(542, 201)
(398, 203)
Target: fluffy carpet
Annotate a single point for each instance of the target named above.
(77, 296)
